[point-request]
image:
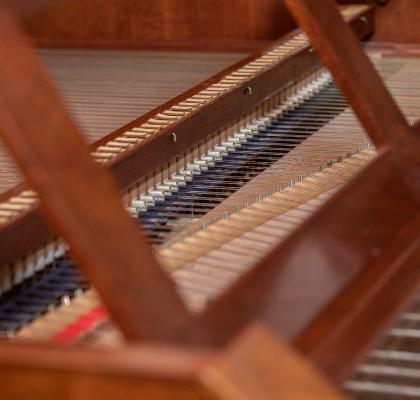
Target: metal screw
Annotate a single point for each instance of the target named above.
(173, 136)
(364, 20)
(248, 91)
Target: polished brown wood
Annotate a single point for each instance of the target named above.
(27, 8)
(236, 25)
(398, 22)
(132, 372)
(377, 2)
(79, 199)
(372, 302)
(160, 23)
(258, 365)
(154, 152)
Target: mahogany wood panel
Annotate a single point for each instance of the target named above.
(24, 7)
(398, 22)
(146, 22)
(78, 197)
(371, 303)
(240, 25)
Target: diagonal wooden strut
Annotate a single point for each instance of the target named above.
(79, 199)
(356, 244)
(341, 52)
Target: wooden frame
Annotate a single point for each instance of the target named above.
(370, 263)
(62, 183)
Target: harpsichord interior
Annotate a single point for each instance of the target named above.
(210, 199)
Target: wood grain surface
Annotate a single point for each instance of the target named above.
(137, 22)
(187, 24)
(398, 22)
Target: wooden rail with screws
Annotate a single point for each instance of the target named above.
(138, 148)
